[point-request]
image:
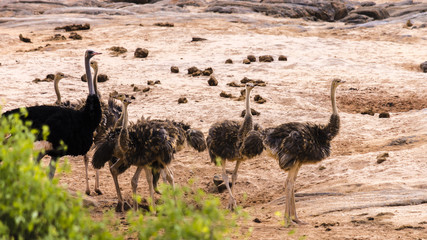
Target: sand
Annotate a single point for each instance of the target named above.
(346, 196)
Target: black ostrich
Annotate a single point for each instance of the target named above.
(294, 144)
(72, 127)
(234, 141)
(145, 144)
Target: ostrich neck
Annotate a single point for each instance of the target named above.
(248, 108)
(89, 76)
(58, 94)
(123, 136)
(95, 82)
(333, 100)
(247, 122)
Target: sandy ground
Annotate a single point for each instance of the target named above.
(346, 196)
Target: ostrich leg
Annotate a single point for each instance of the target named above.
(234, 176)
(97, 182)
(86, 160)
(134, 184)
(52, 167)
(149, 177)
(290, 210)
(115, 172)
(232, 202)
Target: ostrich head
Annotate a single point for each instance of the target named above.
(124, 98)
(59, 76)
(90, 53)
(94, 65)
(249, 87)
(336, 82)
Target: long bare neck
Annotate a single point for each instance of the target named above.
(58, 94)
(124, 136)
(95, 82)
(247, 124)
(333, 100)
(89, 76)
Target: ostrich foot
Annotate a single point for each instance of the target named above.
(98, 191)
(87, 192)
(157, 191)
(232, 205)
(299, 222)
(122, 206)
(290, 221)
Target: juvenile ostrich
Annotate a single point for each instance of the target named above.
(74, 127)
(194, 138)
(294, 144)
(234, 141)
(145, 144)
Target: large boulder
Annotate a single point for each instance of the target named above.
(374, 12)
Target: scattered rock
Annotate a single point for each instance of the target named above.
(57, 37)
(260, 83)
(101, 78)
(49, 78)
(149, 82)
(74, 27)
(212, 81)
(229, 61)
(259, 99)
(165, 24)
(192, 70)
(246, 61)
(368, 112)
(251, 58)
(382, 157)
(384, 115)
(157, 82)
(253, 111)
(198, 39)
(136, 89)
(141, 53)
(402, 140)
(370, 218)
(208, 71)
(182, 100)
(174, 69)
(423, 66)
(266, 58)
(116, 50)
(225, 95)
(321, 168)
(75, 36)
(256, 220)
(234, 84)
(375, 12)
(146, 89)
(409, 23)
(283, 58)
(24, 39)
(356, 18)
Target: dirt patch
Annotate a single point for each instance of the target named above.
(357, 101)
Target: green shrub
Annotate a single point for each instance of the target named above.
(187, 214)
(32, 206)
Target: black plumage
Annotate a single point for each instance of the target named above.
(294, 144)
(74, 127)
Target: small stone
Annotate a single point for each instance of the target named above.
(423, 66)
(251, 58)
(24, 39)
(368, 112)
(141, 53)
(283, 58)
(146, 89)
(103, 77)
(225, 95)
(259, 99)
(116, 50)
(198, 39)
(182, 100)
(321, 168)
(384, 115)
(208, 71)
(253, 111)
(149, 82)
(266, 58)
(175, 69)
(256, 220)
(246, 80)
(212, 81)
(136, 89)
(165, 24)
(192, 70)
(382, 157)
(409, 23)
(75, 36)
(157, 82)
(371, 219)
(50, 76)
(233, 84)
(246, 61)
(229, 61)
(196, 73)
